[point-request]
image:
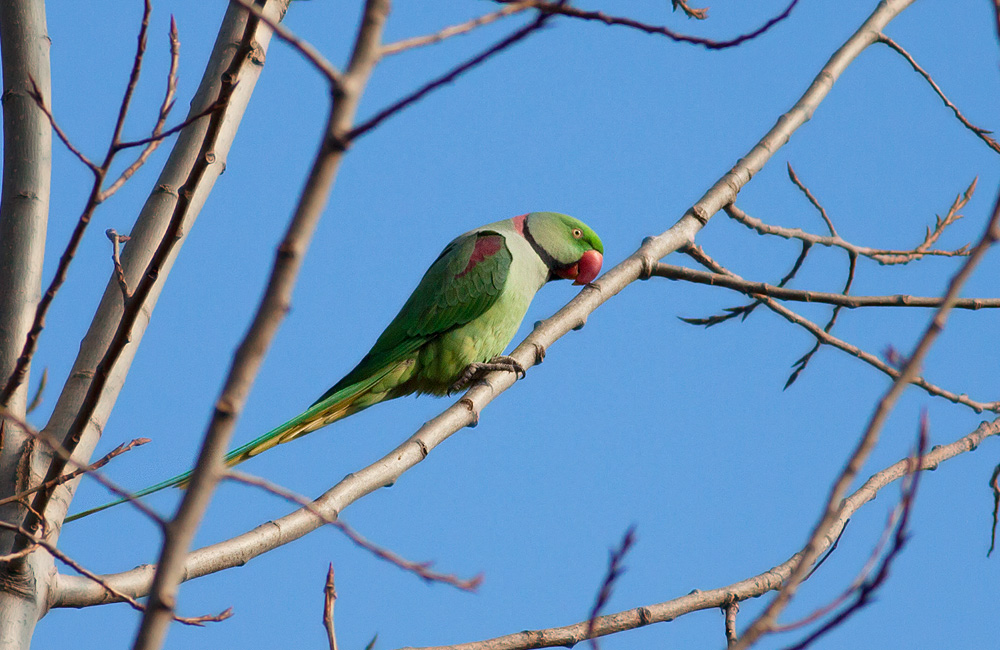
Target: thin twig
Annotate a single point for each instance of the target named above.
(329, 598)
(116, 239)
(53, 444)
(573, 12)
(731, 610)
(79, 471)
(766, 620)
(444, 79)
(239, 549)
(421, 569)
(865, 590)
(455, 30)
(753, 289)
(36, 401)
(880, 255)
(94, 199)
(615, 569)
(995, 486)
(751, 587)
(165, 107)
(812, 199)
(690, 12)
(36, 95)
(744, 311)
(311, 54)
(829, 339)
(981, 133)
(803, 361)
(35, 542)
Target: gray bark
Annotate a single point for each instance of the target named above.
(24, 204)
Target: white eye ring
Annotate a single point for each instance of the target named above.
(577, 233)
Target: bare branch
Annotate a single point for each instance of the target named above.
(133, 79)
(981, 133)
(754, 289)
(35, 542)
(444, 79)
(766, 621)
(827, 338)
(751, 587)
(455, 30)
(615, 570)
(36, 94)
(329, 598)
(731, 610)
(573, 12)
(79, 471)
(803, 361)
(116, 239)
(165, 107)
(995, 486)
(421, 569)
(880, 255)
(90, 470)
(812, 199)
(311, 54)
(690, 12)
(37, 399)
(864, 590)
(466, 411)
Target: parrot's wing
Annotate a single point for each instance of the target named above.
(462, 283)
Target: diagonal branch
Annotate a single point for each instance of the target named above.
(880, 255)
(812, 550)
(981, 133)
(420, 569)
(754, 289)
(825, 337)
(639, 265)
(455, 30)
(598, 16)
(752, 587)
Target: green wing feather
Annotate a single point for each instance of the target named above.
(463, 282)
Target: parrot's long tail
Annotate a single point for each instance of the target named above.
(334, 407)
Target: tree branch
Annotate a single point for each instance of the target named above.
(751, 587)
(238, 550)
(755, 289)
(812, 550)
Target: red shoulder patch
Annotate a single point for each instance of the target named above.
(486, 246)
(519, 223)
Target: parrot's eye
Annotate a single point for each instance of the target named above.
(577, 233)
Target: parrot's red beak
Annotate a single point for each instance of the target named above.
(585, 270)
(588, 267)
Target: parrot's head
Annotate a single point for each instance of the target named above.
(573, 250)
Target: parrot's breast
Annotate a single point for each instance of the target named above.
(441, 361)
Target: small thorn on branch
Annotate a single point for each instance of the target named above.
(116, 240)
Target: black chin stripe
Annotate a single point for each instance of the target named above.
(547, 259)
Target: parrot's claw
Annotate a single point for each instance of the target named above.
(475, 370)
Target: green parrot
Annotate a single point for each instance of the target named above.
(453, 327)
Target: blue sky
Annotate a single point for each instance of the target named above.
(636, 419)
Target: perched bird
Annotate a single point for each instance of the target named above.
(454, 325)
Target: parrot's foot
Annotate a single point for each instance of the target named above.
(475, 370)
